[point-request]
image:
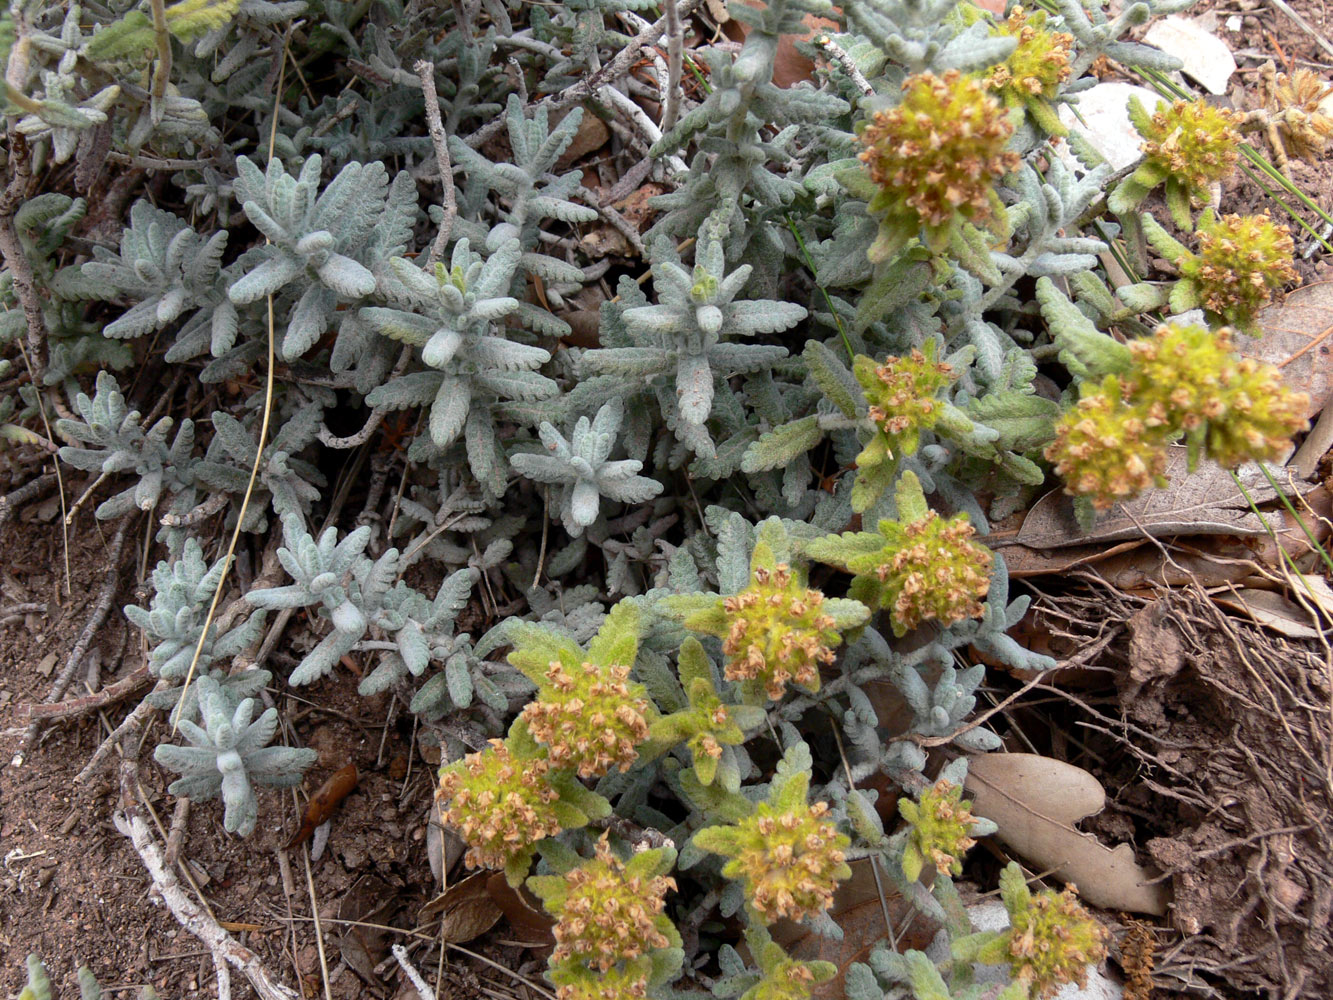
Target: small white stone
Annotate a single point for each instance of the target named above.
(1234, 22)
(1105, 109)
(1206, 57)
(992, 916)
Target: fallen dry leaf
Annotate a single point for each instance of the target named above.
(325, 800)
(1271, 610)
(518, 905)
(466, 910)
(370, 900)
(1035, 801)
(1296, 339)
(1204, 502)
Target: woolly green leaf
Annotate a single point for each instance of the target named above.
(1025, 421)
(893, 287)
(834, 379)
(129, 39)
(780, 446)
(1084, 350)
(1145, 296)
(910, 499)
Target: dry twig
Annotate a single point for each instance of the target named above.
(426, 74)
(225, 949)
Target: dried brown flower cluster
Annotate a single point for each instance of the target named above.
(790, 858)
(938, 573)
(936, 156)
(1300, 110)
(589, 718)
(776, 632)
(498, 804)
(608, 913)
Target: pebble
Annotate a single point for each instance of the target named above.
(1108, 129)
(1205, 57)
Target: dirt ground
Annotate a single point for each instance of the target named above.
(1210, 736)
(73, 890)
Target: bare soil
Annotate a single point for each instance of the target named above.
(72, 888)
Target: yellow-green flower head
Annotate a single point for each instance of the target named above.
(937, 574)
(936, 156)
(1241, 260)
(1105, 450)
(777, 632)
(1194, 142)
(789, 979)
(790, 858)
(1051, 939)
(608, 911)
(500, 803)
(1187, 376)
(591, 717)
(941, 822)
(903, 396)
(1030, 78)
(627, 983)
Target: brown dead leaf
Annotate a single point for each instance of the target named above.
(323, 803)
(1035, 801)
(466, 910)
(370, 900)
(590, 137)
(858, 910)
(520, 908)
(1296, 338)
(1271, 610)
(635, 206)
(1204, 502)
(1022, 561)
(1217, 560)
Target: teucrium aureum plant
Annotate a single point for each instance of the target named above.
(787, 441)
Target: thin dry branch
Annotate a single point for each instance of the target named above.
(586, 88)
(425, 71)
(225, 949)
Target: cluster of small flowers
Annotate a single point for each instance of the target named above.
(937, 154)
(941, 823)
(791, 861)
(937, 573)
(1241, 259)
(1039, 64)
(498, 804)
(1183, 379)
(790, 979)
(903, 395)
(1053, 940)
(613, 984)
(777, 632)
(589, 718)
(1194, 142)
(607, 914)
